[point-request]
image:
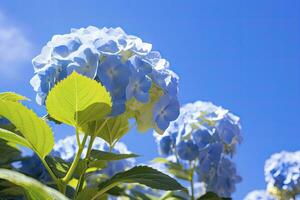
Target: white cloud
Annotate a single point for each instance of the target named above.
(15, 48)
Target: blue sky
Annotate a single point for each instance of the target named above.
(243, 55)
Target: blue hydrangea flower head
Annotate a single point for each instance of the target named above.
(282, 171)
(202, 137)
(209, 160)
(205, 136)
(166, 110)
(187, 150)
(85, 62)
(138, 87)
(123, 63)
(224, 180)
(165, 145)
(259, 195)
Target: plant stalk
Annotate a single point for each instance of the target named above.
(53, 176)
(71, 170)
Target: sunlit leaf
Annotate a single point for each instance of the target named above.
(35, 130)
(14, 138)
(112, 129)
(33, 189)
(11, 96)
(77, 100)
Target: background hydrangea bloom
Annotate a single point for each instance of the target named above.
(33, 167)
(223, 180)
(259, 195)
(282, 171)
(206, 135)
(138, 79)
(67, 148)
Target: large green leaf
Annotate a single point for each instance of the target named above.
(33, 189)
(35, 130)
(11, 96)
(112, 129)
(103, 155)
(143, 175)
(77, 100)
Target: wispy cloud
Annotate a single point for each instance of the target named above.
(15, 48)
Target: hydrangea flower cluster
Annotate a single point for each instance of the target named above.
(67, 148)
(138, 79)
(206, 135)
(282, 171)
(259, 195)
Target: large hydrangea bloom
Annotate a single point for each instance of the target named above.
(205, 134)
(138, 79)
(259, 195)
(67, 148)
(282, 171)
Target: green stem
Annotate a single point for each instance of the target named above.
(89, 149)
(103, 190)
(81, 178)
(192, 165)
(57, 181)
(71, 170)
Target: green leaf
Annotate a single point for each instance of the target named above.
(103, 155)
(93, 112)
(77, 100)
(212, 196)
(175, 195)
(97, 164)
(87, 193)
(47, 117)
(11, 96)
(35, 130)
(143, 113)
(8, 153)
(175, 168)
(33, 189)
(113, 129)
(59, 166)
(14, 138)
(143, 175)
